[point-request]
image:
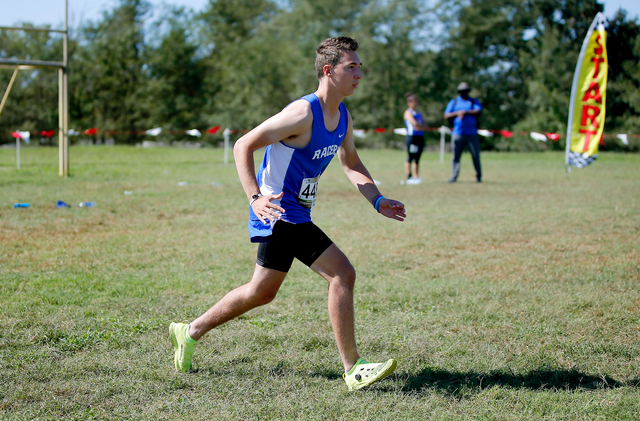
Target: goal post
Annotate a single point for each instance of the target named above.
(63, 85)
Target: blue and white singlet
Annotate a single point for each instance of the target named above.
(410, 129)
(296, 171)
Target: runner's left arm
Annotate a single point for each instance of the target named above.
(362, 180)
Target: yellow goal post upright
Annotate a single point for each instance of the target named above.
(63, 84)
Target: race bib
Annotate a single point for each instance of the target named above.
(308, 192)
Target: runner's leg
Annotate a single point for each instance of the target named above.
(335, 267)
(261, 290)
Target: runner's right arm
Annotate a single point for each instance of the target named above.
(295, 120)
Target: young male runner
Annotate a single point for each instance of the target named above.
(301, 141)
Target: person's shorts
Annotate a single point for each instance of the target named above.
(305, 242)
(415, 146)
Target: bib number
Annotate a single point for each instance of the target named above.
(308, 192)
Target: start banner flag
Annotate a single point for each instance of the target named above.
(588, 97)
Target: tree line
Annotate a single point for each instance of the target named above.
(237, 62)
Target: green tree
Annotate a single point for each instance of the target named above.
(623, 91)
(175, 76)
(107, 77)
(392, 63)
(240, 61)
(33, 102)
(388, 32)
(522, 56)
(245, 79)
(550, 59)
(264, 56)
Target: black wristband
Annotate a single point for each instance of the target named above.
(254, 198)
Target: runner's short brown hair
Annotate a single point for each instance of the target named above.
(330, 52)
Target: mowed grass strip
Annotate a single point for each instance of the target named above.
(517, 298)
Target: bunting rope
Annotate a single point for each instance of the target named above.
(537, 136)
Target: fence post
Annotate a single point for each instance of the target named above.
(226, 134)
(443, 130)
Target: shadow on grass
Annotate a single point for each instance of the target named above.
(455, 383)
(458, 384)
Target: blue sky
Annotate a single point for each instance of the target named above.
(40, 12)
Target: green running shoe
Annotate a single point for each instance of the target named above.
(183, 346)
(362, 374)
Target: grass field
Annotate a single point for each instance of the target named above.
(518, 298)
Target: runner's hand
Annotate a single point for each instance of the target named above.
(265, 210)
(392, 209)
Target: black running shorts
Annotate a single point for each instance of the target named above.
(415, 146)
(305, 242)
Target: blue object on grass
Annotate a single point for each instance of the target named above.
(86, 204)
(21, 205)
(61, 204)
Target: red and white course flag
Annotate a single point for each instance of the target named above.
(588, 97)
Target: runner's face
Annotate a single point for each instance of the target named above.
(347, 74)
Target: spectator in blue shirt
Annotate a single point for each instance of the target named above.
(464, 111)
